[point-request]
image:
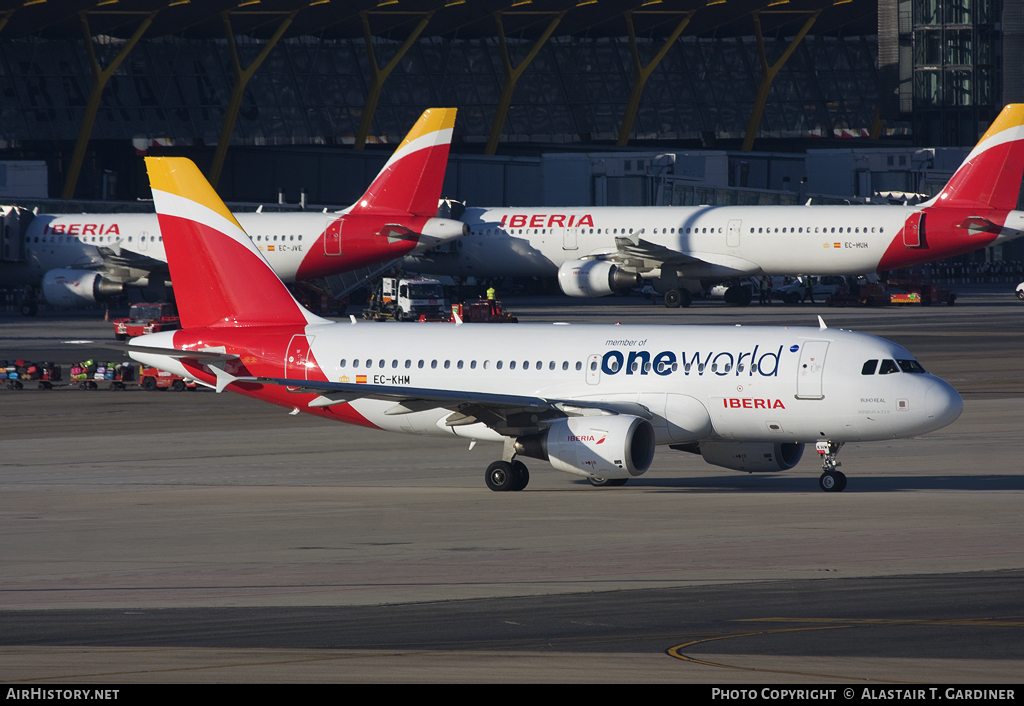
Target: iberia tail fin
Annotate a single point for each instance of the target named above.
(993, 173)
(411, 181)
(219, 276)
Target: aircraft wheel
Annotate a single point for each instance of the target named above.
(673, 298)
(500, 476)
(607, 482)
(522, 474)
(832, 481)
(685, 298)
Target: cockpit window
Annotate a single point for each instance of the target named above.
(888, 366)
(869, 367)
(910, 366)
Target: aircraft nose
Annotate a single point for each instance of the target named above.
(943, 404)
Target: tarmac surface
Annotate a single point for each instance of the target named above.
(196, 537)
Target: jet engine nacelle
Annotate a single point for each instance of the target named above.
(68, 288)
(594, 278)
(614, 446)
(752, 457)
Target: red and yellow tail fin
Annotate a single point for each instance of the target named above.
(993, 173)
(411, 181)
(219, 276)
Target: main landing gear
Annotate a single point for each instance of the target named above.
(507, 475)
(607, 482)
(678, 298)
(831, 480)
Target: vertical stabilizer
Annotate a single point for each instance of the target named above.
(993, 173)
(411, 181)
(219, 276)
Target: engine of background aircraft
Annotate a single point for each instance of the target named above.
(71, 288)
(594, 278)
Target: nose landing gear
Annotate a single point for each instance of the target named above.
(831, 480)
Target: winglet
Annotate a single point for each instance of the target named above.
(821, 323)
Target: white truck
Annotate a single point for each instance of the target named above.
(407, 299)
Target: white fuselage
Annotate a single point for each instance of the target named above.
(728, 241)
(74, 241)
(698, 382)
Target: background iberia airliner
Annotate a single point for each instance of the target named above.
(82, 258)
(597, 251)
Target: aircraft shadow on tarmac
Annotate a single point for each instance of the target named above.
(797, 484)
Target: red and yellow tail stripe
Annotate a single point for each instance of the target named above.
(992, 174)
(220, 277)
(410, 183)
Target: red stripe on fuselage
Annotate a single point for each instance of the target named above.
(361, 245)
(262, 353)
(942, 237)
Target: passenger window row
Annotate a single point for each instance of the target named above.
(526, 364)
(689, 230)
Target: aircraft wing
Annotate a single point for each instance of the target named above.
(510, 415)
(115, 257)
(639, 255)
(635, 252)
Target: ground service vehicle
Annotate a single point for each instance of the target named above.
(483, 311)
(147, 318)
(915, 290)
(151, 378)
(407, 299)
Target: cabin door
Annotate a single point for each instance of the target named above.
(810, 371)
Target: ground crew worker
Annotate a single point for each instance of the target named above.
(808, 289)
(490, 293)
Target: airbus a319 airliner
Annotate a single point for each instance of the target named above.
(597, 251)
(594, 401)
